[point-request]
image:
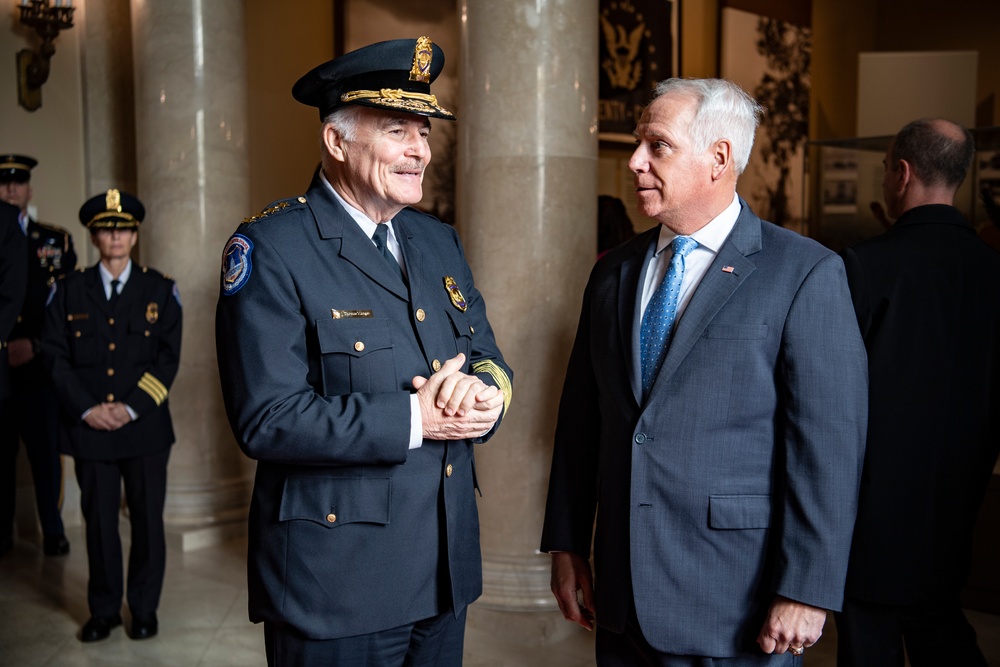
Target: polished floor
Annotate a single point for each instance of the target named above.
(203, 620)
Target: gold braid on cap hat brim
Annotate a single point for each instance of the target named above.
(398, 98)
(14, 165)
(121, 220)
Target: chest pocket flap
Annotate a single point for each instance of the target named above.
(356, 337)
(335, 501)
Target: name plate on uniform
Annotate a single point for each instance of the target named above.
(77, 316)
(345, 314)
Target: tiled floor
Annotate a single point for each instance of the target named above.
(203, 619)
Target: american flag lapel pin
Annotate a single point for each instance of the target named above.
(727, 269)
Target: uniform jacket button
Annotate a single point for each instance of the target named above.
(436, 365)
(359, 346)
(448, 470)
(331, 518)
(421, 315)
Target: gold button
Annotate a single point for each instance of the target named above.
(19, 319)
(111, 321)
(77, 334)
(472, 329)
(436, 365)
(331, 518)
(302, 200)
(359, 346)
(111, 398)
(421, 315)
(111, 346)
(51, 269)
(448, 470)
(146, 333)
(111, 372)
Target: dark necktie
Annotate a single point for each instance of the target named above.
(658, 320)
(381, 238)
(113, 298)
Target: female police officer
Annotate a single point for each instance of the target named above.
(112, 340)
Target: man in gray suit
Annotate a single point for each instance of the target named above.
(713, 415)
(359, 369)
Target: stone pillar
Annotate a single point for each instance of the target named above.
(527, 211)
(190, 102)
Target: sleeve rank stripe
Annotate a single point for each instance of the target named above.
(154, 388)
(503, 382)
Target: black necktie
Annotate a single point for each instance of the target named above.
(113, 299)
(381, 238)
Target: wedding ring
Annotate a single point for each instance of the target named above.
(796, 650)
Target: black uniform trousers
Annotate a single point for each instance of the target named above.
(31, 413)
(437, 641)
(145, 482)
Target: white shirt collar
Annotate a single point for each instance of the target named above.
(711, 236)
(106, 276)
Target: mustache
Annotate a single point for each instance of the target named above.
(417, 165)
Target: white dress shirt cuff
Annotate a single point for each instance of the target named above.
(416, 423)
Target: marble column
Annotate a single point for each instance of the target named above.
(527, 211)
(190, 102)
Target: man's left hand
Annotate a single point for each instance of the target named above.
(791, 624)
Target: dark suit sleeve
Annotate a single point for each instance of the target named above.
(858, 286)
(572, 495)
(13, 270)
(269, 387)
(154, 384)
(74, 395)
(823, 380)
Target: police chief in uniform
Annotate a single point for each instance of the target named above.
(112, 341)
(32, 412)
(358, 369)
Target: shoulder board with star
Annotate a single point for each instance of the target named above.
(275, 208)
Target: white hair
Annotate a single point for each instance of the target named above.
(345, 121)
(724, 111)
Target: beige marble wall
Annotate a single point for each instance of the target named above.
(527, 211)
(190, 101)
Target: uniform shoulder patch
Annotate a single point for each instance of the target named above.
(236, 264)
(276, 207)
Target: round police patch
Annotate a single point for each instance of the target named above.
(236, 264)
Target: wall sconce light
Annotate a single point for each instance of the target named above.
(33, 66)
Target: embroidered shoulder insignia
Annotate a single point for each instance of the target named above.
(274, 208)
(236, 264)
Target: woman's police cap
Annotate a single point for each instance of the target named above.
(112, 210)
(393, 75)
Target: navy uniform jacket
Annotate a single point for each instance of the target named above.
(13, 278)
(736, 478)
(927, 297)
(50, 257)
(350, 532)
(128, 354)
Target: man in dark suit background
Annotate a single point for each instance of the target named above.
(927, 297)
(13, 280)
(112, 341)
(359, 368)
(32, 412)
(722, 453)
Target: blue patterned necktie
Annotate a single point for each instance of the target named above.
(381, 239)
(658, 320)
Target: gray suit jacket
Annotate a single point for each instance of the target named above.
(736, 479)
(350, 532)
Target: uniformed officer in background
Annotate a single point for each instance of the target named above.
(13, 278)
(32, 411)
(112, 341)
(359, 368)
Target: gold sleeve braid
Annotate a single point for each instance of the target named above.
(502, 381)
(154, 388)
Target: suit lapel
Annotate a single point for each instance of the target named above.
(332, 221)
(632, 273)
(714, 291)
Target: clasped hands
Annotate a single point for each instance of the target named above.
(107, 416)
(456, 406)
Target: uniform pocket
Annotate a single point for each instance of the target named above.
(462, 330)
(82, 342)
(357, 356)
(335, 501)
